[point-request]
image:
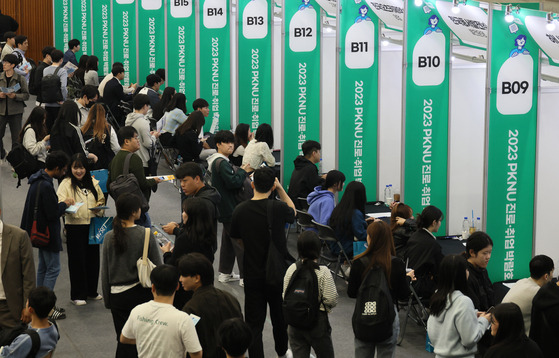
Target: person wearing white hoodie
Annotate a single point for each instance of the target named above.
(138, 120)
(454, 326)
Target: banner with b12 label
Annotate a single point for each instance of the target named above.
(358, 94)
(426, 109)
(62, 25)
(81, 26)
(124, 38)
(301, 74)
(511, 152)
(102, 44)
(255, 62)
(215, 63)
(151, 37)
(181, 54)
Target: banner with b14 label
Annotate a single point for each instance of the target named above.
(102, 44)
(124, 38)
(62, 24)
(151, 36)
(426, 109)
(81, 26)
(511, 152)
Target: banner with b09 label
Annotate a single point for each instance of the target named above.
(215, 63)
(151, 36)
(301, 73)
(81, 26)
(62, 25)
(511, 152)
(124, 36)
(358, 86)
(255, 62)
(427, 57)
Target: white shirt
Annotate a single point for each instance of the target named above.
(2, 293)
(84, 111)
(522, 293)
(161, 331)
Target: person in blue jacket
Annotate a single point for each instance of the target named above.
(321, 200)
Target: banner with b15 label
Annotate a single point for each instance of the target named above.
(511, 151)
(181, 54)
(62, 25)
(255, 62)
(301, 74)
(151, 37)
(81, 26)
(426, 111)
(215, 63)
(102, 47)
(358, 86)
(124, 38)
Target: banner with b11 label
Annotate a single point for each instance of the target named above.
(215, 63)
(426, 111)
(151, 37)
(102, 44)
(511, 152)
(81, 25)
(181, 54)
(124, 38)
(62, 25)
(301, 74)
(255, 62)
(358, 94)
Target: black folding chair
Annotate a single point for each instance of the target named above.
(305, 220)
(415, 309)
(327, 235)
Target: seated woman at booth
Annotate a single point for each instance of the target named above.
(478, 252)
(321, 200)
(259, 150)
(243, 136)
(402, 225)
(187, 137)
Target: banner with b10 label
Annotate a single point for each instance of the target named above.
(426, 111)
(102, 44)
(62, 26)
(81, 26)
(511, 151)
(151, 37)
(301, 74)
(358, 95)
(215, 63)
(124, 38)
(181, 40)
(255, 62)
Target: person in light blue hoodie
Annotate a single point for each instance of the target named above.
(321, 200)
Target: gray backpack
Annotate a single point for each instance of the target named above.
(128, 183)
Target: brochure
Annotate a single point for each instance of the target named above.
(72, 209)
(70, 67)
(163, 177)
(12, 89)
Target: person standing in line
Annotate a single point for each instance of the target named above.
(24, 67)
(34, 136)
(10, 38)
(47, 61)
(91, 76)
(70, 55)
(54, 107)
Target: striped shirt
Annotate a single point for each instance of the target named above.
(326, 286)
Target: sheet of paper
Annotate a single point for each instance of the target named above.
(379, 215)
(163, 177)
(72, 209)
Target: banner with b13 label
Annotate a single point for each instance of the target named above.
(215, 63)
(124, 38)
(301, 74)
(151, 36)
(81, 26)
(181, 39)
(358, 86)
(102, 44)
(426, 111)
(62, 25)
(255, 62)
(511, 153)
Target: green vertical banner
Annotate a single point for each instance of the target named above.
(181, 52)
(358, 94)
(102, 46)
(124, 38)
(81, 25)
(511, 153)
(426, 112)
(255, 62)
(151, 37)
(62, 27)
(301, 76)
(215, 63)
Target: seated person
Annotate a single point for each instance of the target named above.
(259, 150)
(212, 305)
(234, 337)
(524, 290)
(321, 200)
(187, 137)
(151, 89)
(305, 175)
(424, 252)
(402, 225)
(243, 136)
(40, 302)
(175, 115)
(544, 328)
(478, 252)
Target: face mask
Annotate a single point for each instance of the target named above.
(90, 104)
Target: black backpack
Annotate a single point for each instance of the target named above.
(245, 192)
(23, 162)
(128, 183)
(374, 310)
(301, 303)
(33, 86)
(50, 88)
(7, 336)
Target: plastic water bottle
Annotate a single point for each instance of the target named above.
(466, 228)
(477, 224)
(388, 198)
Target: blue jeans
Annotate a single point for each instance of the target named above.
(384, 349)
(49, 268)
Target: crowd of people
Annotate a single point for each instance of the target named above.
(82, 123)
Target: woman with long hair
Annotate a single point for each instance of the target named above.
(453, 325)
(83, 259)
(175, 115)
(348, 218)
(243, 136)
(478, 252)
(91, 76)
(509, 337)
(380, 253)
(159, 108)
(123, 246)
(187, 137)
(34, 136)
(402, 225)
(79, 73)
(259, 150)
(100, 136)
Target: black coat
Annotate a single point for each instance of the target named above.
(544, 329)
(480, 288)
(303, 179)
(425, 256)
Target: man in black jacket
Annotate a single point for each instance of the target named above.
(305, 175)
(47, 61)
(114, 93)
(545, 318)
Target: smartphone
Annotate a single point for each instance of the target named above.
(490, 310)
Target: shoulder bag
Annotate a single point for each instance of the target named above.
(144, 265)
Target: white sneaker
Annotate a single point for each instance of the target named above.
(242, 282)
(224, 277)
(79, 302)
(287, 354)
(95, 298)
